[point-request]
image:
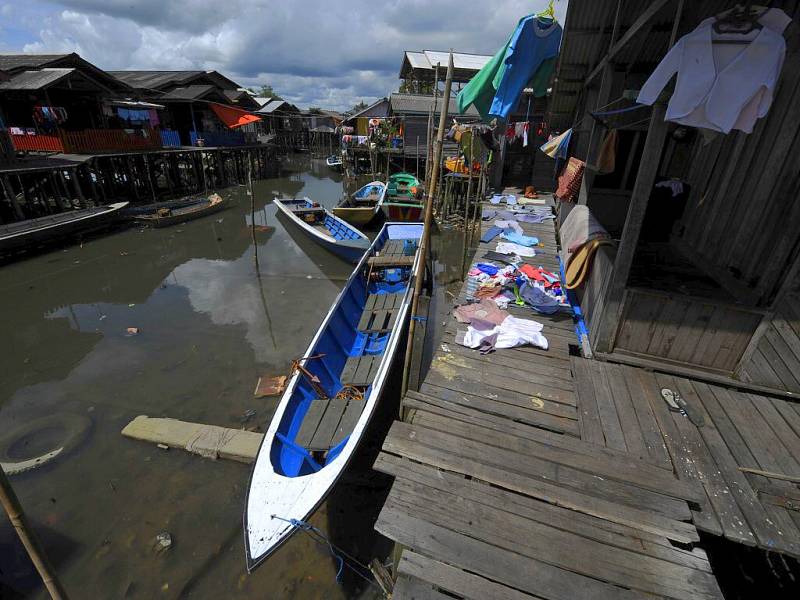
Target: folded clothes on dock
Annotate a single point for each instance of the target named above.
(518, 238)
(510, 333)
(490, 234)
(514, 225)
(485, 310)
(509, 199)
(512, 248)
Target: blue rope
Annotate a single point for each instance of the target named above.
(308, 527)
(619, 110)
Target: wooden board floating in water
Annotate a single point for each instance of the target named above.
(209, 441)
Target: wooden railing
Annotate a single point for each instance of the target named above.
(218, 138)
(89, 141)
(36, 143)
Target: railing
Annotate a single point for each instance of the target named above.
(217, 138)
(35, 142)
(89, 141)
(170, 138)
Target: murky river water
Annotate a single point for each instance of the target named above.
(208, 328)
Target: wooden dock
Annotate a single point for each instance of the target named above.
(539, 474)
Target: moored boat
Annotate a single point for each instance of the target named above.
(323, 227)
(334, 162)
(164, 217)
(363, 205)
(333, 392)
(401, 203)
(15, 236)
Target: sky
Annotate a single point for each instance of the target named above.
(312, 52)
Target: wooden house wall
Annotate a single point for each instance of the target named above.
(688, 331)
(775, 362)
(743, 217)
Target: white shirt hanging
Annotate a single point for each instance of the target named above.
(719, 87)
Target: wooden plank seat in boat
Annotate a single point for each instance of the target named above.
(327, 423)
(380, 312)
(390, 261)
(360, 370)
(393, 247)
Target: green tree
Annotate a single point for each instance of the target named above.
(265, 91)
(413, 86)
(358, 107)
(315, 110)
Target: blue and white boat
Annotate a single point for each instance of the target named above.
(326, 229)
(332, 393)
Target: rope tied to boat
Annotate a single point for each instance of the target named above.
(309, 528)
(339, 554)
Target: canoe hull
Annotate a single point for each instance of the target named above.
(188, 215)
(50, 229)
(273, 499)
(355, 216)
(402, 211)
(349, 250)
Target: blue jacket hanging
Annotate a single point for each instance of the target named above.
(534, 41)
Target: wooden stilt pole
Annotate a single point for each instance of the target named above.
(426, 232)
(35, 551)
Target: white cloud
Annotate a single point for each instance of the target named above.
(312, 52)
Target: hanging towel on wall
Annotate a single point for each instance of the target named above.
(607, 159)
(569, 182)
(719, 87)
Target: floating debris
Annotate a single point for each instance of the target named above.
(270, 386)
(163, 542)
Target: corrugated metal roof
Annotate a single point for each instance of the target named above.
(421, 105)
(35, 80)
(154, 79)
(10, 62)
(190, 92)
(422, 65)
(373, 110)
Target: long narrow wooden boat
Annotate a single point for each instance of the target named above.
(333, 392)
(15, 236)
(326, 229)
(363, 205)
(401, 203)
(164, 217)
(147, 209)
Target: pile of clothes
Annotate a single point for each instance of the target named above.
(501, 280)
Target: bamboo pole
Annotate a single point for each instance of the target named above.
(467, 215)
(426, 232)
(26, 534)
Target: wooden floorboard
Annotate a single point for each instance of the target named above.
(531, 473)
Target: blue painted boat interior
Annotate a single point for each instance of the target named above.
(368, 190)
(339, 230)
(339, 341)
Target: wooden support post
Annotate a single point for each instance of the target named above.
(426, 233)
(12, 197)
(29, 539)
(77, 185)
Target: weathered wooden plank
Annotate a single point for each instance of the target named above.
(649, 518)
(654, 441)
(348, 421)
(484, 559)
(704, 518)
(456, 581)
(497, 415)
(328, 425)
(410, 588)
(491, 385)
(311, 421)
(601, 530)
(557, 547)
(730, 516)
(588, 415)
(712, 398)
(606, 408)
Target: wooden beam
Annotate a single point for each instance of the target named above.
(634, 29)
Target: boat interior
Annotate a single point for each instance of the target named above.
(317, 217)
(336, 378)
(366, 197)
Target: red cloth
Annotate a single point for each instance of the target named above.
(233, 117)
(569, 182)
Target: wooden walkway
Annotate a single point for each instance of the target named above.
(538, 474)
